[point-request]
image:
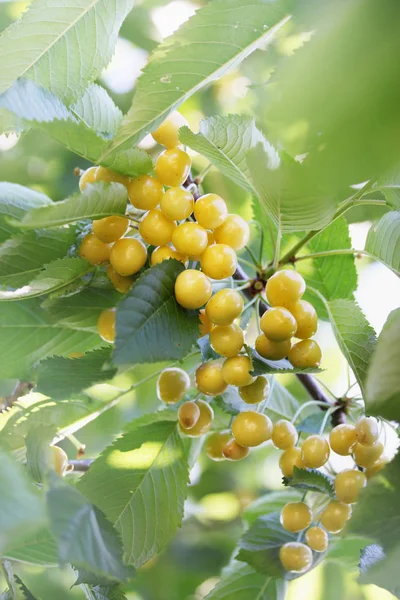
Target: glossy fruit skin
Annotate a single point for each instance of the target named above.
(128, 256)
(272, 350)
(289, 459)
(172, 167)
(295, 557)
(227, 340)
(376, 467)
(156, 229)
(224, 307)
(335, 515)
(204, 422)
(315, 452)
(304, 354)
(256, 392)
(296, 516)
(58, 460)
(284, 435)
(106, 325)
(278, 324)
(192, 289)
(215, 444)
(234, 232)
(285, 288)
(234, 451)
(177, 204)
(236, 371)
(190, 239)
(110, 176)
(306, 319)
(210, 211)
(348, 484)
(89, 176)
(342, 439)
(205, 323)
(110, 229)
(251, 429)
(94, 250)
(317, 539)
(172, 385)
(164, 253)
(121, 284)
(367, 431)
(167, 132)
(218, 261)
(209, 378)
(145, 192)
(188, 414)
(366, 456)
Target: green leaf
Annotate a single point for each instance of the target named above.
(383, 378)
(225, 141)
(55, 276)
(280, 402)
(262, 365)
(383, 240)
(98, 110)
(85, 537)
(310, 480)
(355, 336)
(169, 77)
(312, 423)
(108, 591)
(27, 594)
(269, 503)
(37, 548)
(151, 325)
(95, 202)
(27, 335)
(389, 185)
(61, 378)
(37, 442)
(288, 192)
(67, 55)
(23, 256)
(241, 582)
(380, 570)
(21, 509)
(15, 201)
(139, 482)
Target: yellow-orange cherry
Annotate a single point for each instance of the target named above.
(110, 229)
(167, 134)
(58, 460)
(335, 516)
(156, 229)
(172, 385)
(295, 557)
(209, 379)
(348, 484)
(224, 307)
(89, 176)
(190, 239)
(236, 371)
(204, 421)
(218, 261)
(284, 435)
(306, 319)
(272, 350)
(255, 392)
(342, 439)
(188, 414)
(296, 516)
(145, 192)
(215, 444)
(94, 250)
(234, 232)
(317, 539)
(172, 167)
(192, 289)
(285, 288)
(210, 211)
(250, 428)
(110, 176)
(278, 324)
(315, 451)
(227, 340)
(177, 204)
(106, 325)
(121, 283)
(367, 431)
(164, 253)
(290, 459)
(128, 256)
(305, 354)
(234, 451)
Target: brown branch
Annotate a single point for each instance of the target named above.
(22, 388)
(81, 466)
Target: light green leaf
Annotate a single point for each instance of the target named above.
(95, 202)
(225, 141)
(280, 402)
(9, 123)
(27, 335)
(67, 55)
(383, 378)
(151, 325)
(85, 537)
(383, 240)
(389, 185)
(15, 201)
(61, 378)
(98, 110)
(108, 591)
(38, 456)
(263, 365)
(37, 548)
(139, 482)
(310, 480)
(382, 570)
(241, 582)
(24, 256)
(171, 77)
(269, 503)
(56, 275)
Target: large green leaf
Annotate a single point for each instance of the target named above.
(355, 336)
(214, 41)
(241, 582)
(383, 240)
(310, 480)
(151, 325)
(379, 569)
(140, 483)
(28, 335)
(263, 365)
(95, 202)
(37, 548)
(23, 256)
(225, 141)
(38, 440)
(55, 276)
(110, 591)
(98, 111)
(15, 201)
(61, 45)
(269, 503)
(383, 378)
(85, 537)
(280, 403)
(61, 378)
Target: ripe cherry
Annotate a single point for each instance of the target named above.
(164, 253)
(224, 307)
(278, 324)
(284, 435)
(110, 176)
(285, 288)
(167, 134)
(295, 557)
(192, 289)
(172, 385)
(121, 284)
(204, 422)
(306, 319)
(335, 515)
(94, 250)
(209, 378)
(172, 167)
(256, 392)
(106, 325)
(177, 204)
(190, 239)
(210, 211)
(251, 429)
(58, 460)
(145, 192)
(272, 350)
(317, 539)
(367, 431)
(188, 414)
(227, 340)
(156, 229)
(215, 444)
(128, 256)
(289, 459)
(110, 229)
(305, 354)
(296, 516)
(234, 451)
(234, 232)
(219, 261)
(342, 439)
(348, 484)
(315, 451)
(89, 176)
(236, 371)
(366, 456)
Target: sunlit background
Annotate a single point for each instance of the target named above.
(190, 566)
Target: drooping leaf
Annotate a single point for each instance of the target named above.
(280, 402)
(151, 325)
(139, 482)
(241, 582)
(310, 480)
(170, 78)
(98, 110)
(38, 458)
(68, 55)
(270, 503)
(225, 141)
(15, 201)
(261, 366)
(383, 378)
(383, 240)
(37, 548)
(55, 276)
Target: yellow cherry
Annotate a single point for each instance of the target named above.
(216, 443)
(376, 467)
(285, 288)
(284, 435)
(190, 239)
(227, 340)
(192, 289)
(106, 325)
(342, 439)
(204, 421)
(272, 350)
(289, 459)
(278, 324)
(236, 371)
(251, 428)
(156, 229)
(224, 307)
(89, 176)
(177, 204)
(205, 323)
(110, 229)
(188, 414)
(94, 250)
(366, 456)
(218, 261)
(210, 211)
(234, 232)
(295, 557)
(164, 253)
(128, 256)
(209, 378)
(296, 516)
(256, 392)
(348, 484)
(58, 460)
(145, 192)
(305, 354)
(110, 176)
(234, 451)
(172, 385)
(367, 431)
(172, 167)
(167, 134)
(335, 515)
(317, 539)
(315, 451)
(306, 319)
(121, 284)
